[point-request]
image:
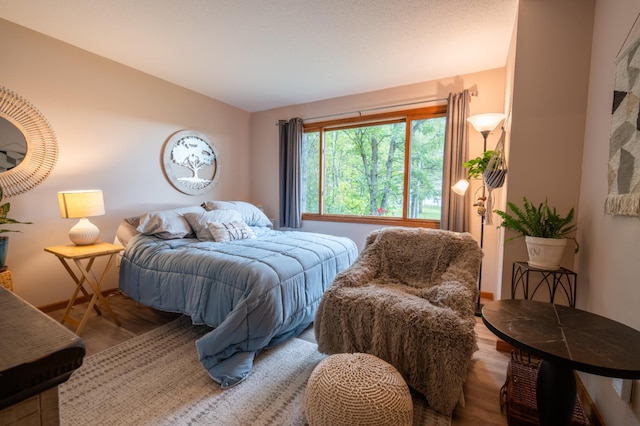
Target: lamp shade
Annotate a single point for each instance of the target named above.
(485, 122)
(81, 204)
(460, 187)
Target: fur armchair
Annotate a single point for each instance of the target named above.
(409, 299)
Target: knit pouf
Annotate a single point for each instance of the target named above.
(357, 390)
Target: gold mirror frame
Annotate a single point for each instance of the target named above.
(42, 147)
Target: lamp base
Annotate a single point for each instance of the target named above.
(84, 233)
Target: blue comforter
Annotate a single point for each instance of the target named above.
(256, 293)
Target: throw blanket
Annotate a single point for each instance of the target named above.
(409, 299)
(256, 293)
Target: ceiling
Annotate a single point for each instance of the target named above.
(262, 54)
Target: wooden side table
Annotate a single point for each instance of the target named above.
(89, 253)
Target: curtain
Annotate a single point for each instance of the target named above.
(454, 215)
(290, 174)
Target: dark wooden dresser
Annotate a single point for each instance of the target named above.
(36, 355)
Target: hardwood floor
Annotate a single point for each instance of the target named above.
(100, 332)
(481, 390)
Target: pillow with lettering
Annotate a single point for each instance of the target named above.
(230, 231)
(200, 221)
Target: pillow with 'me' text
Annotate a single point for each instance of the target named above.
(230, 231)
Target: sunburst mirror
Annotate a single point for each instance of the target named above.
(28, 146)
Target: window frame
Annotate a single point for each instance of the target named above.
(405, 116)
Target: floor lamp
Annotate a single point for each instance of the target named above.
(485, 124)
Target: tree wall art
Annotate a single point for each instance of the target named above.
(191, 162)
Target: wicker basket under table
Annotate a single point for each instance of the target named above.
(5, 278)
(518, 396)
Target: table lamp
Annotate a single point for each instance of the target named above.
(82, 204)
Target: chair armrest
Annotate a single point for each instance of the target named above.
(452, 294)
(465, 271)
(356, 275)
(361, 272)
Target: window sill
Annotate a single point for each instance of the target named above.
(385, 221)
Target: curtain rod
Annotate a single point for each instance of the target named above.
(359, 112)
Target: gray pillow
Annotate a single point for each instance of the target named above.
(167, 224)
(200, 221)
(251, 215)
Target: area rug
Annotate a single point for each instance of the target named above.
(156, 379)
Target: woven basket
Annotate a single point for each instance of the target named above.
(357, 390)
(5, 278)
(518, 396)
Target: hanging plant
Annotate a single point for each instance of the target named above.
(476, 166)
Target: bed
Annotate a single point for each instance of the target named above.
(223, 265)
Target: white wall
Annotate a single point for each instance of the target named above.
(608, 265)
(111, 123)
(490, 86)
(550, 82)
(562, 96)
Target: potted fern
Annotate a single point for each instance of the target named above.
(546, 232)
(4, 220)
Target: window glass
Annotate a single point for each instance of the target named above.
(425, 178)
(362, 171)
(311, 172)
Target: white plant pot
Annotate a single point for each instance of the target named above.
(545, 253)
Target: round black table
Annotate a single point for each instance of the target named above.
(565, 339)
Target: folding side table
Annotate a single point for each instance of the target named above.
(89, 254)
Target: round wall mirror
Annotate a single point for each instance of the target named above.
(28, 146)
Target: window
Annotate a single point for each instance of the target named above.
(387, 169)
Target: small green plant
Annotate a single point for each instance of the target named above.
(541, 221)
(476, 166)
(4, 220)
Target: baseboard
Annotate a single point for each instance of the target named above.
(503, 346)
(81, 299)
(590, 409)
(486, 295)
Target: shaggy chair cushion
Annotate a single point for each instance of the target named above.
(409, 299)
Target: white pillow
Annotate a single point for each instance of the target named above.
(252, 215)
(199, 221)
(167, 224)
(230, 231)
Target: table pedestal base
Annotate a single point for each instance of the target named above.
(555, 394)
